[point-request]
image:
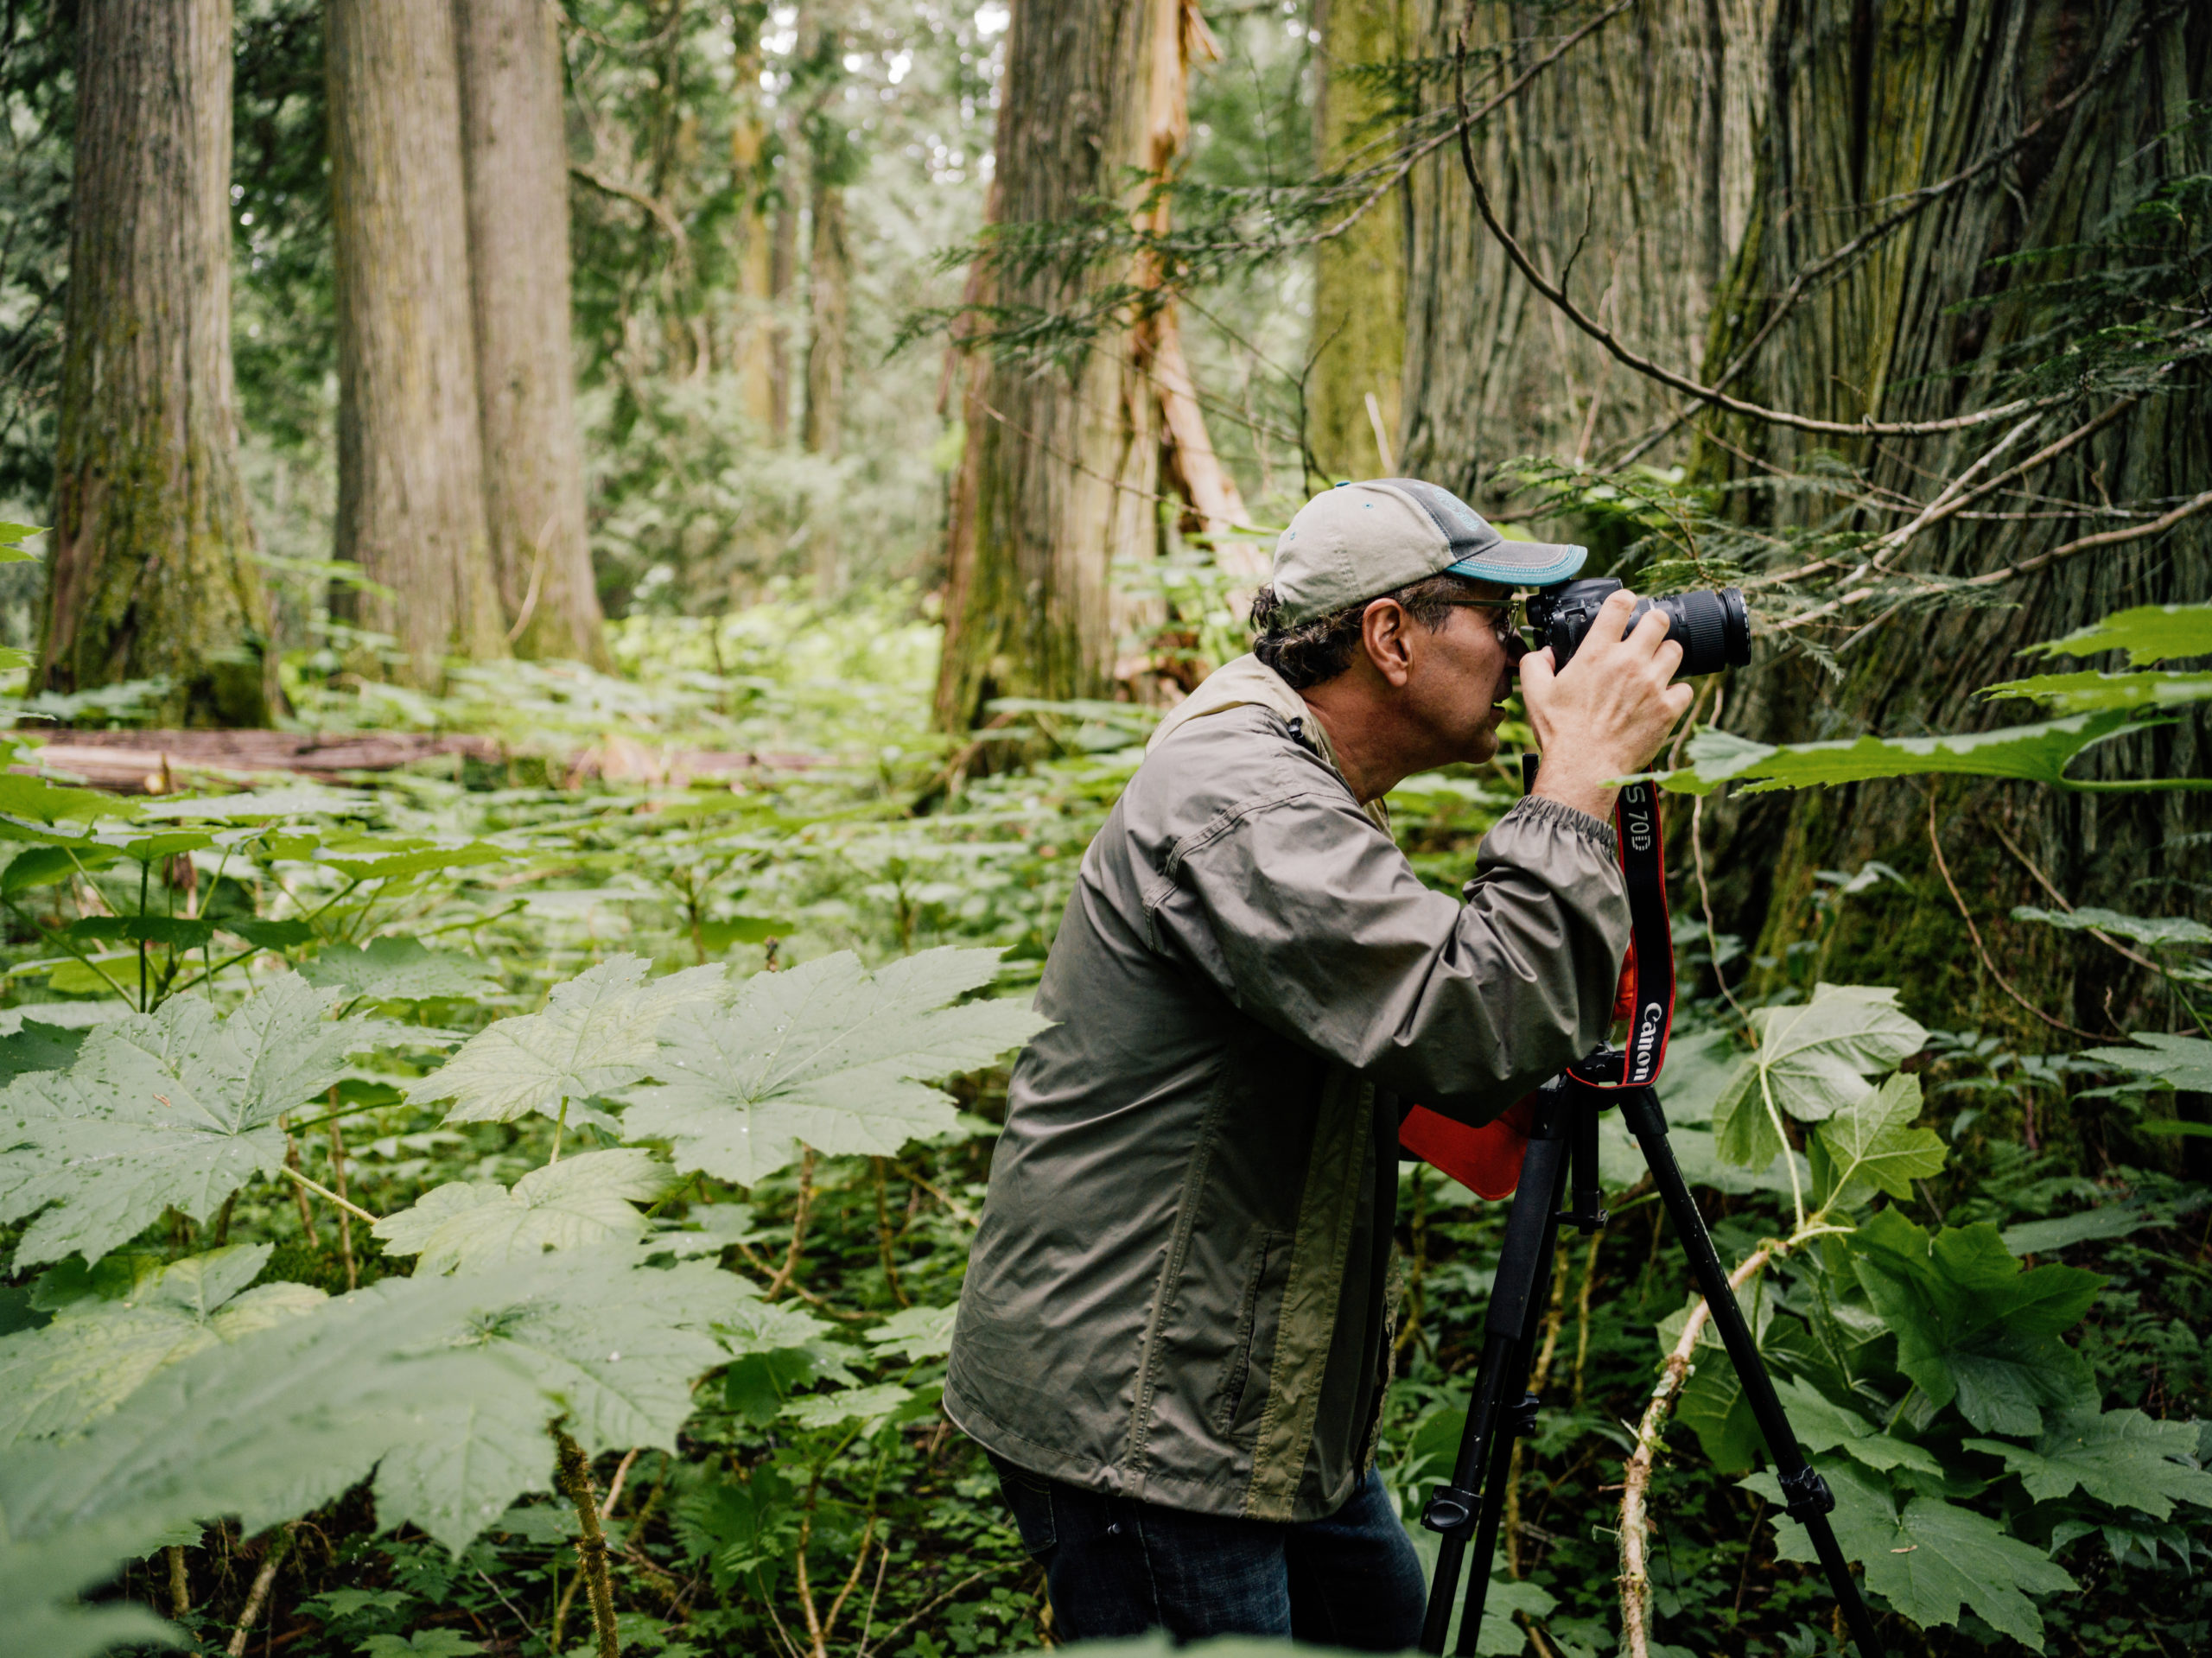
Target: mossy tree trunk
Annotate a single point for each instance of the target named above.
(1359, 277)
(410, 466)
(1867, 105)
(150, 568)
(829, 280)
(1058, 475)
(1627, 162)
(516, 154)
(756, 343)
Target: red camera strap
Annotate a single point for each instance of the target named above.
(1487, 1160)
(1646, 997)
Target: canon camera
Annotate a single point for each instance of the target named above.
(1713, 629)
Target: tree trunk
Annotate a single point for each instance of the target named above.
(829, 294)
(151, 567)
(517, 154)
(1057, 478)
(1865, 107)
(410, 468)
(755, 341)
(1359, 278)
(1627, 162)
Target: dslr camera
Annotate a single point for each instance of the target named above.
(1713, 629)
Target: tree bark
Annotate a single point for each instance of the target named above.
(829, 274)
(152, 568)
(1359, 278)
(756, 341)
(1628, 163)
(410, 467)
(1058, 478)
(517, 157)
(1866, 106)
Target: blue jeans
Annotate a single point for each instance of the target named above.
(1117, 1568)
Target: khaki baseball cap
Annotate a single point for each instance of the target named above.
(1358, 541)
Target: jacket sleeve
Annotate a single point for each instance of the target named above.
(1308, 917)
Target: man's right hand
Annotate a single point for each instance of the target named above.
(1606, 715)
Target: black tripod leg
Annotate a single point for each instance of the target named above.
(1530, 1228)
(1809, 1499)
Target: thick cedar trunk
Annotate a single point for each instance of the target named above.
(1637, 146)
(1058, 476)
(1865, 107)
(1359, 287)
(411, 470)
(829, 294)
(151, 569)
(756, 341)
(516, 154)
(829, 277)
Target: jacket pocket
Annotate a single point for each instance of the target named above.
(1257, 1308)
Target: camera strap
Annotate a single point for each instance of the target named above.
(1646, 997)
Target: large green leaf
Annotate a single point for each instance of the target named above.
(2149, 633)
(1820, 1424)
(2160, 932)
(1972, 1326)
(827, 1054)
(1812, 1061)
(1871, 1146)
(176, 1108)
(470, 1224)
(37, 801)
(1929, 1559)
(2088, 693)
(397, 969)
(116, 1326)
(2035, 753)
(596, 1033)
(2180, 1061)
(40, 1583)
(441, 1385)
(2121, 1457)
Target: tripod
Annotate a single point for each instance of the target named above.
(1564, 1143)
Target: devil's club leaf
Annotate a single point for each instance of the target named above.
(102, 1345)
(2036, 753)
(2121, 1457)
(397, 969)
(2182, 1061)
(914, 1333)
(475, 1223)
(443, 1385)
(827, 1054)
(176, 1108)
(1812, 1061)
(2149, 633)
(1971, 1327)
(1872, 1146)
(2160, 932)
(1822, 1424)
(1929, 1559)
(2087, 693)
(596, 1033)
(864, 1405)
(39, 1584)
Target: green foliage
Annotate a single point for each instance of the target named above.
(473, 1224)
(1812, 1061)
(827, 1054)
(176, 1109)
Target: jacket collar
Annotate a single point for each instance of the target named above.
(1247, 682)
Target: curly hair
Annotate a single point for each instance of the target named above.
(1312, 653)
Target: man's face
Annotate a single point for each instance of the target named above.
(1461, 676)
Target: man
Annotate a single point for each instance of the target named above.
(1175, 1333)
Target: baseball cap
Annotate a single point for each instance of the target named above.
(1359, 540)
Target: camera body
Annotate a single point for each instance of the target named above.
(1713, 629)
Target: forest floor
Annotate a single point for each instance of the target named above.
(816, 1502)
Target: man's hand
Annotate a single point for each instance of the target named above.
(1607, 714)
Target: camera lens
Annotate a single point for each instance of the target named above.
(1713, 629)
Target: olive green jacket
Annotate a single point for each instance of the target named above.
(1178, 1291)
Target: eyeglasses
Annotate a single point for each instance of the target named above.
(1508, 624)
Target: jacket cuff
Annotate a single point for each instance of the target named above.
(1551, 814)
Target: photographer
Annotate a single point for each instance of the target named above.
(1176, 1326)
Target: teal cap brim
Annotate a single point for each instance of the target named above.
(1523, 564)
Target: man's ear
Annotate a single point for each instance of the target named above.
(1385, 631)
